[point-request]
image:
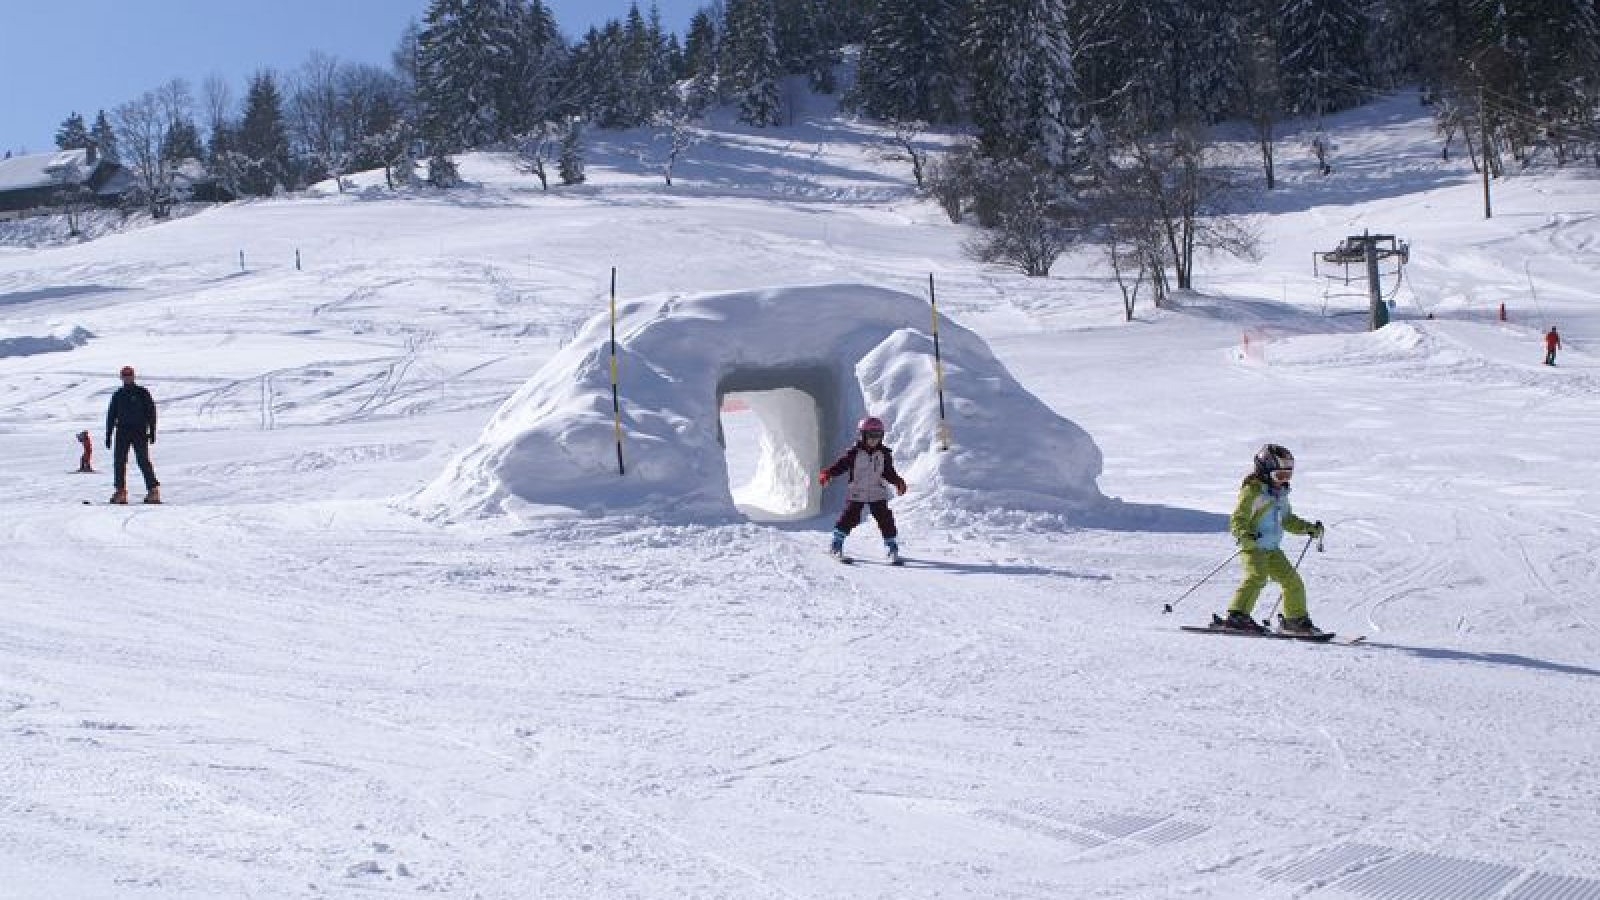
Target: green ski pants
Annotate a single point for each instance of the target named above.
(1260, 565)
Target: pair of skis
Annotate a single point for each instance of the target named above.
(1315, 637)
(894, 559)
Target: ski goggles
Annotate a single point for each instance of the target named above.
(1282, 476)
(872, 435)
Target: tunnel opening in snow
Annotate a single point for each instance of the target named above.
(771, 428)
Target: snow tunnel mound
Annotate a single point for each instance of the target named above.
(822, 356)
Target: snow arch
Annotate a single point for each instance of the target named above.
(851, 348)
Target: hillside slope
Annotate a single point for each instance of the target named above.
(281, 684)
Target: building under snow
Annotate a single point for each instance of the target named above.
(38, 182)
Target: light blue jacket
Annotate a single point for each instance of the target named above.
(1263, 514)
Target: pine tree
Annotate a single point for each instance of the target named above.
(641, 80)
(807, 41)
(909, 66)
(182, 142)
(530, 90)
(1322, 51)
(700, 62)
(594, 75)
(465, 60)
(749, 61)
(262, 143)
(1528, 89)
(73, 134)
(105, 138)
(1024, 88)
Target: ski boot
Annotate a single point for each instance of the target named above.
(1238, 621)
(120, 497)
(836, 548)
(154, 496)
(1299, 625)
(891, 551)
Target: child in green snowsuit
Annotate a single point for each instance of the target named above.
(1258, 523)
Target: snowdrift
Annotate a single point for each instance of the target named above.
(845, 350)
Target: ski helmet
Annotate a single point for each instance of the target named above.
(126, 371)
(870, 425)
(1273, 458)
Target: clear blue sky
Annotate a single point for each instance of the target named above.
(88, 55)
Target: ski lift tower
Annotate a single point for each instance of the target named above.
(1369, 248)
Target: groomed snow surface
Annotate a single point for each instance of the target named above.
(401, 629)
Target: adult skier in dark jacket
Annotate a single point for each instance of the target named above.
(131, 420)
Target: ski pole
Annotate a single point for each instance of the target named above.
(1167, 607)
(1309, 538)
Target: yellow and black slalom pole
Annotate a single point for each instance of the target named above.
(938, 366)
(616, 402)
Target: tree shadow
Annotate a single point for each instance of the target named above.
(1516, 660)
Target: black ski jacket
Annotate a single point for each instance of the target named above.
(133, 410)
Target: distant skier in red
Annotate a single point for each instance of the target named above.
(1552, 343)
(86, 462)
(869, 464)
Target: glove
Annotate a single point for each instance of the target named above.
(1317, 529)
(901, 487)
(824, 478)
(108, 442)
(152, 437)
(1248, 544)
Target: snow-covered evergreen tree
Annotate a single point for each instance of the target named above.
(700, 62)
(749, 61)
(73, 134)
(262, 143)
(530, 91)
(105, 138)
(464, 63)
(808, 41)
(593, 77)
(1024, 89)
(910, 68)
(1322, 53)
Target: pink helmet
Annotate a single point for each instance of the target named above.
(871, 423)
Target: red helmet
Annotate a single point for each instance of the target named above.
(871, 424)
(126, 371)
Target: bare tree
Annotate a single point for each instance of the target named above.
(952, 181)
(676, 130)
(394, 146)
(1028, 215)
(318, 117)
(1128, 254)
(1261, 95)
(142, 126)
(537, 150)
(216, 111)
(1174, 204)
(902, 141)
(71, 195)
